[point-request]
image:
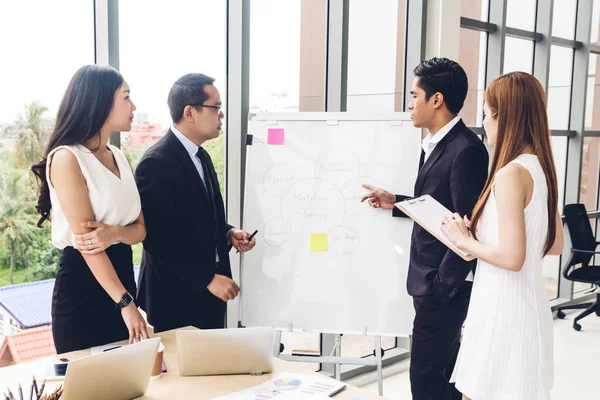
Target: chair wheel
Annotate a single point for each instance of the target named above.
(560, 314)
(576, 326)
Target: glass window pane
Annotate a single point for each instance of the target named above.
(475, 9)
(361, 345)
(592, 106)
(563, 19)
(595, 32)
(38, 52)
(170, 58)
(474, 64)
(376, 73)
(551, 267)
(518, 55)
(521, 14)
(287, 55)
(590, 168)
(559, 151)
(559, 87)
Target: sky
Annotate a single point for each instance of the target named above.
(43, 43)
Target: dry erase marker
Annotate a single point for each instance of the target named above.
(250, 238)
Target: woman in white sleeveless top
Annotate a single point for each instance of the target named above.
(507, 347)
(96, 213)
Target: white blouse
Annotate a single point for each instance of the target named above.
(114, 200)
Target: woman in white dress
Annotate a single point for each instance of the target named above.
(507, 347)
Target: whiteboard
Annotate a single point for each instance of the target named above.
(324, 261)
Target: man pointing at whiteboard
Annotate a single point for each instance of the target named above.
(452, 169)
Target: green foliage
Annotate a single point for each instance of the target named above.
(31, 133)
(216, 149)
(26, 251)
(137, 253)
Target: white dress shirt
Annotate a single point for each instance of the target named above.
(192, 150)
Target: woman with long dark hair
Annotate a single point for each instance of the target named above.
(507, 346)
(96, 213)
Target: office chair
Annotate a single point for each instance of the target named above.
(583, 248)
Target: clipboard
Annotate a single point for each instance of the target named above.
(429, 213)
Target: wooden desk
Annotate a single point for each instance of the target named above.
(170, 385)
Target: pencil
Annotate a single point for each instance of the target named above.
(5, 396)
(41, 389)
(10, 395)
(34, 385)
(20, 392)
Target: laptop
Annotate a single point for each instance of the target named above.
(119, 374)
(225, 351)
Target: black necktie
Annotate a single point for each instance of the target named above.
(204, 160)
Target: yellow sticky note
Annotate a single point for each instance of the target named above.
(318, 242)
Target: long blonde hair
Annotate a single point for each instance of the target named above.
(518, 101)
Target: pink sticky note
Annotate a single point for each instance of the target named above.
(276, 136)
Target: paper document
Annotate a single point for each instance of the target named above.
(289, 386)
(429, 213)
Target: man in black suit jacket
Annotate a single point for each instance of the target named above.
(185, 276)
(453, 169)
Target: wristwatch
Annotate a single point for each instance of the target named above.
(125, 300)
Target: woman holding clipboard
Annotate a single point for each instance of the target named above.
(507, 348)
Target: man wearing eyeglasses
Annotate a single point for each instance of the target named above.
(185, 276)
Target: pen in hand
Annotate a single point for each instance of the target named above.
(250, 238)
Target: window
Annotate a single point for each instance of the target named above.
(43, 43)
(152, 59)
(475, 9)
(474, 64)
(376, 72)
(521, 14)
(38, 37)
(551, 268)
(592, 107)
(287, 55)
(595, 31)
(559, 87)
(563, 19)
(559, 151)
(590, 169)
(518, 55)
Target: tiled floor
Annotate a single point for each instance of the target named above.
(576, 355)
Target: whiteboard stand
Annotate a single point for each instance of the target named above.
(337, 359)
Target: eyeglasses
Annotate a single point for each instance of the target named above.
(218, 108)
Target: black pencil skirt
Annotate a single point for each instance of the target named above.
(83, 314)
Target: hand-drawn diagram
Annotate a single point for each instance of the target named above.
(318, 204)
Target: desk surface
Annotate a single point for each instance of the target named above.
(170, 385)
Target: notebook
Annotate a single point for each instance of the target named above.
(429, 213)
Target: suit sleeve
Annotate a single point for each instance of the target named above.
(396, 211)
(158, 206)
(467, 178)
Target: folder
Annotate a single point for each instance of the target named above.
(429, 213)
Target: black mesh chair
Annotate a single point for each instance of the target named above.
(584, 246)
